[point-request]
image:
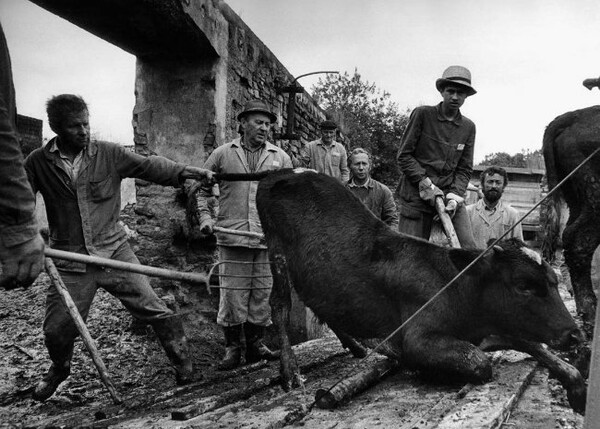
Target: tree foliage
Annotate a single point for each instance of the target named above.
(525, 159)
(372, 121)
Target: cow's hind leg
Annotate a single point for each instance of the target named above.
(281, 303)
(348, 342)
(581, 238)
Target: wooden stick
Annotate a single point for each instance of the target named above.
(360, 381)
(237, 232)
(126, 266)
(446, 222)
(83, 331)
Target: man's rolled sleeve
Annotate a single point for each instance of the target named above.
(154, 168)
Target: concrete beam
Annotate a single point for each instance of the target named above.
(144, 28)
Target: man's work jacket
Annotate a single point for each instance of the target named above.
(83, 214)
(435, 147)
(331, 160)
(237, 200)
(487, 224)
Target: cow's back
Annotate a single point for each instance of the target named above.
(568, 140)
(329, 240)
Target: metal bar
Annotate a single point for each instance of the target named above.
(237, 232)
(83, 331)
(126, 266)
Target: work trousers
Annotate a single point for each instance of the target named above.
(244, 298)
(133, 290)
(418, 224)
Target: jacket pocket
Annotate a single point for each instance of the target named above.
(101, 190)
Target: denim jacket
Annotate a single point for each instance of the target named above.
(83, 214)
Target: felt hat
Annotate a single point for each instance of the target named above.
(257, 106)
(456, 75)
(328, 125)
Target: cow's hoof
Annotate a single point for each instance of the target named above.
(358, 351)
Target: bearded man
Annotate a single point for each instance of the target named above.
(490, 216)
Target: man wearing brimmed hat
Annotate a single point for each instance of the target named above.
(328, 156)
(244, 300)
(436, 159)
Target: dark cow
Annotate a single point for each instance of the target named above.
(364, 280)
(568, 140)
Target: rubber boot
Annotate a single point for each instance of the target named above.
(171, 336)
(233, 348)
(255, 348)
(50, 382)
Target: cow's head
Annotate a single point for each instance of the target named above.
(519, 295)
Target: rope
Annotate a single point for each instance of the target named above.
(451, 282)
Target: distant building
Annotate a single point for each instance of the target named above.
(30, 133)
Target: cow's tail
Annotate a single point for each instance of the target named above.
(551, 211)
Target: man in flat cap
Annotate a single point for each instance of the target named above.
(244, 299)
(328, 156)
(436, 159)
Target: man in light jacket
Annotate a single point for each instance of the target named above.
(327, 156)
(244, 300)
(491, 217)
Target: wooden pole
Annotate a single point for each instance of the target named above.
(446, 222)
(349, 387)
(83, 331)
(126, 266)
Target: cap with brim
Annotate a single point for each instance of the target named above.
(328, 125)
(257, 106)
(456, 75)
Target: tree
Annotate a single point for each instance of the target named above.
(372, 120)
(525, 159)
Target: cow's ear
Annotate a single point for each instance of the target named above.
(461, 258)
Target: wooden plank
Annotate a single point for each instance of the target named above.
(487, 406)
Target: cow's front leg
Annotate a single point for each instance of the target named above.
(281, 303)
(567, 374)
(436, 353)
(350, 343)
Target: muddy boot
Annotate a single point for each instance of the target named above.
(233, 348)
(255, 348)
(170, 334)
(48, 385)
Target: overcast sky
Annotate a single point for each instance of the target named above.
(527, 57)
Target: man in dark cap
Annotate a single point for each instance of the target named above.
(328, 156)
(246, 276)
(436, 159)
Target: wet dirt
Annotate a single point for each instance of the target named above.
(145, 379)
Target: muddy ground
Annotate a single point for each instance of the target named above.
(142, 373)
